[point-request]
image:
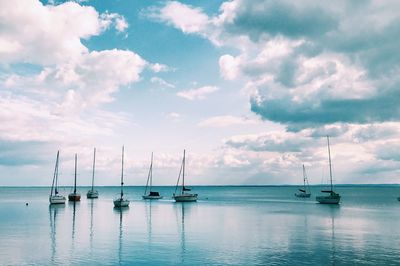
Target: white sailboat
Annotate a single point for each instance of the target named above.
(92, 193)
(332, 197)
(56, 198)
(75, 196)
(152, 194)
(304, 192)
(121, 202)
(184, 196)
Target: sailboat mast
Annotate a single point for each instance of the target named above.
(151, 172)
(122, 172)
(183, 171)
(330, 163)
(94, 162)
(55, 176)
(57, 167)
(304, 177)
(76, 158)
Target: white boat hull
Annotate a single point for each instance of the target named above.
(147, 197)
(58, 199)
(328, 199)
(303, 195)
(119, 203)
(92, 194)
(185, 198)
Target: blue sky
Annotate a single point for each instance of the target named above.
(250, 90)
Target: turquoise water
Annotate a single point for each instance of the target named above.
(227, 226)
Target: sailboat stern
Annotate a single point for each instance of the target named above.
(121, 202)
(57, 199)
(186, 197)
(92, 194)
(332, 198)
(74, 197)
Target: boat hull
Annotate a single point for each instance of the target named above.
(74, 197)
(92, 194)
(398, 198)
(57, 199)
(303, 195)
(148, 197)
(185, 198)
(120, 203)
(328, 199)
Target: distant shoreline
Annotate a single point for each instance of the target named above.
(283, 185)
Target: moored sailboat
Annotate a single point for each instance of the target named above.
(184, 196)
(149, 184)
(92, 193)
(56, 198)
(304, 192)
(121, 201)
(75, 196)
(332, 197)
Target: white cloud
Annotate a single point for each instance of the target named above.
(61, 102)
(114, 19)
(197, 94)
(173, 116)
(229, 67)
(157, 67)
(226, 121)
(161, 82)
(34, 33)
(184, 17)
(90, 80)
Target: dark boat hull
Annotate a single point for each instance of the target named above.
(186, 198)
(303, 195)
(92, 194)
(74, 197)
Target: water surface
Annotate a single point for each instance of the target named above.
(227, 226)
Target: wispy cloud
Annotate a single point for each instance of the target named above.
(226, 121)
(197, 94)
(173, 116)
(161, 82)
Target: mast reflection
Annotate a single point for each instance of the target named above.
(149, 222)
(119, 212)
(53, 213)
(333, 210)
(182, 211)
(91, 226)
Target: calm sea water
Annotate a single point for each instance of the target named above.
(227, 226)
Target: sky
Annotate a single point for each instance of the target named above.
(249, 89)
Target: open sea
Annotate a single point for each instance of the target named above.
(227, 226)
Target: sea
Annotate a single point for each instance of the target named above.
(228, 225)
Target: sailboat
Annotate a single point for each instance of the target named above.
(152, 194)
(56, 198)
(332, 197)
(303, 191)
(93, 194)
(184, 196)
(74, 196)
(121, 202)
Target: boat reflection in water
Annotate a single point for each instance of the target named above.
(120, 211)
(334, 209)
(182, 213)
(74, 205)
(91, 231)
(54, 212)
